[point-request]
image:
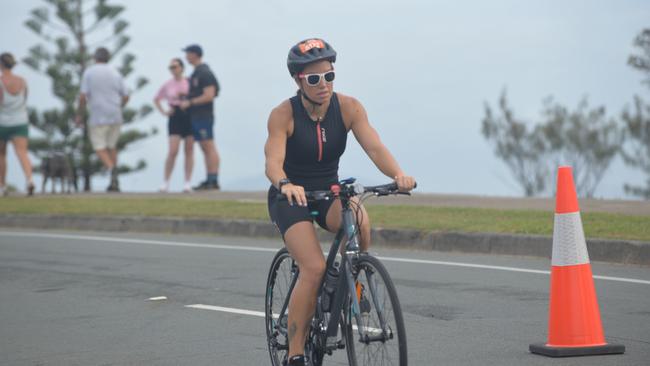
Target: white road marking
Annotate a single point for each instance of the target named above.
(501, 268)
(460, 264)
(140, 241)
(158, 298)
(255, 313)
(273, 250)
(226, 310)
(621, 279)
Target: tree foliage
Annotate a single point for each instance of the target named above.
(636, 151)
(70, 30)
(583, 138)
(641, 61)
(518, 146)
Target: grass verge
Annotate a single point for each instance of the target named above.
(596, 225)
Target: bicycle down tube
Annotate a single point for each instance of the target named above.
(345, 281)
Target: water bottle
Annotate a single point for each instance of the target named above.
(331, 279)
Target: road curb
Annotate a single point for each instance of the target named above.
(613, 251)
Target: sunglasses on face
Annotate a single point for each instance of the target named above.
(173, 67)
(314, 79)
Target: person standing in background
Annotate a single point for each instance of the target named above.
(204, 88)
(103, 90)
(179, 125)
(14, 121)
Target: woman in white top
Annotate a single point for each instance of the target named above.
(179, 125)
(13, 120)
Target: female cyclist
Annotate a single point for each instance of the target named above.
(307, 136)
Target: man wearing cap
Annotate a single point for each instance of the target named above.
(203, 89)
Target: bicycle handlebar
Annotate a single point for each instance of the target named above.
(351, 190)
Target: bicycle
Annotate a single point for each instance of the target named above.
(356, 295)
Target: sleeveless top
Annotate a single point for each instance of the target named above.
(314, 149)
(13, 111)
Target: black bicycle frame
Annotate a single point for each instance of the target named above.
(345, 281)
(346, 288)
(345, 284)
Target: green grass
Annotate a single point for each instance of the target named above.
(596, 225)
(171, 207)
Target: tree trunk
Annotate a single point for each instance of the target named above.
(86, 149)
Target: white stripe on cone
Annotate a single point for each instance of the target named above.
(569, 245)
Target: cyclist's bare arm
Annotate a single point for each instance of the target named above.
(280, 127)
(357, 118)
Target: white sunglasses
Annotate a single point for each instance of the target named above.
(314, 79)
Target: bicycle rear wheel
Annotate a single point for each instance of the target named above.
(383, 337)
(278, 285)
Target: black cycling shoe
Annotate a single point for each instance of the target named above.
(296, 361)
(207, 185)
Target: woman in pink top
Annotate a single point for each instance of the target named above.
(179, 125)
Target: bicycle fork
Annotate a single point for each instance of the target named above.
(386, 333)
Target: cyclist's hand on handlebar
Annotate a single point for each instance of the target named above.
(405, 183)
(295, 194)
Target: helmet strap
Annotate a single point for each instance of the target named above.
(304, 95)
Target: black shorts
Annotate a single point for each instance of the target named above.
(179, 123)
(284, 216)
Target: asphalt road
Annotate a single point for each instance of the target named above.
(73, 298)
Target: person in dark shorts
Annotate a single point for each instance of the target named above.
(204, 88)
(307, 135)
(179, 125)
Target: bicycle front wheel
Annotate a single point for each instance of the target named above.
(380, 337)
(278, 286)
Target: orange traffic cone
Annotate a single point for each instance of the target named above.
(574, 327)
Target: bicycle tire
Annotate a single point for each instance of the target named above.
(277, 287)
(392, 351)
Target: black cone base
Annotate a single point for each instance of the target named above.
(608, 349)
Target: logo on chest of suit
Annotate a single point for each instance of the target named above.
(322, 133)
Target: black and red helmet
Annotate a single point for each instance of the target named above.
(309, 51)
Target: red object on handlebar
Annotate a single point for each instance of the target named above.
(336, 189)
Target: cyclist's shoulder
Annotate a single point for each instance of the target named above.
(281, 115)
(351, 107)
(347, 100)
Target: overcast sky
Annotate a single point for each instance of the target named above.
(423, 70)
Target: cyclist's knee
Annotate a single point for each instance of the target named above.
(312, 271)
(362, 216)
(365, 224)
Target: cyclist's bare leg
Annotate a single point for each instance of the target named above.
(333, 220)
(302, 243)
